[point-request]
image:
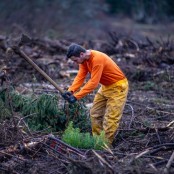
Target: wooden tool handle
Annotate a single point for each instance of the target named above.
(27, 58)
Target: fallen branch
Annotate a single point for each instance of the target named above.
(8, 154)
(169, 163)
(150, 129)
(103, 161)
(156, 149)
(14, 149)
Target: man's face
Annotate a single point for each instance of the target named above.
(78, 60)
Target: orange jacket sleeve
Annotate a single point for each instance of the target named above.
(79, 79)
(92, 83)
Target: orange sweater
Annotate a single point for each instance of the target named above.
(102, 70)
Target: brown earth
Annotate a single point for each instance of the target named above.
(144, 142)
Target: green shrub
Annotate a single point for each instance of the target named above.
(44, 111)
(4, 112)
(100, 141)
(75, 138)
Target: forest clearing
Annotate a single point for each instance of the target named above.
(40, 132)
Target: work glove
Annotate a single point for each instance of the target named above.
(72, 99)
(66, 95)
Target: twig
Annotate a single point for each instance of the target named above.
(153, 167)
(61, 160)
(132, 117)
(27, 127)
(147, 130)
(103, 160)
(166, 170)
(169, 145)
(22, 118)
(147, 107)
(160, 163)
(160, 111)
(135, 44)
(142, 153)
(12, 156)
(156, 130)
(172, 122)
(156, 149)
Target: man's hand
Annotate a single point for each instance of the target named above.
(66, 95)
(72, 99)
(69, 97)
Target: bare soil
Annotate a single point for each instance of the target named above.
(144, 142)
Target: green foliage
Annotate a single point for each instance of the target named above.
(149, 85)
(77, 113)
(74, 137)
(100, 140)
(45, 111)
(4, 112)
(147, 123)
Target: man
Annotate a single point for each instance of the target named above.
(110, 99)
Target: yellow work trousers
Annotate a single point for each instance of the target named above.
(107, 108)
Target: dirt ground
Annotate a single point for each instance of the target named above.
(144, 142)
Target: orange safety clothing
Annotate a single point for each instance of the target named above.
(102, 70)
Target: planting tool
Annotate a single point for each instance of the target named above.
(16, 48)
